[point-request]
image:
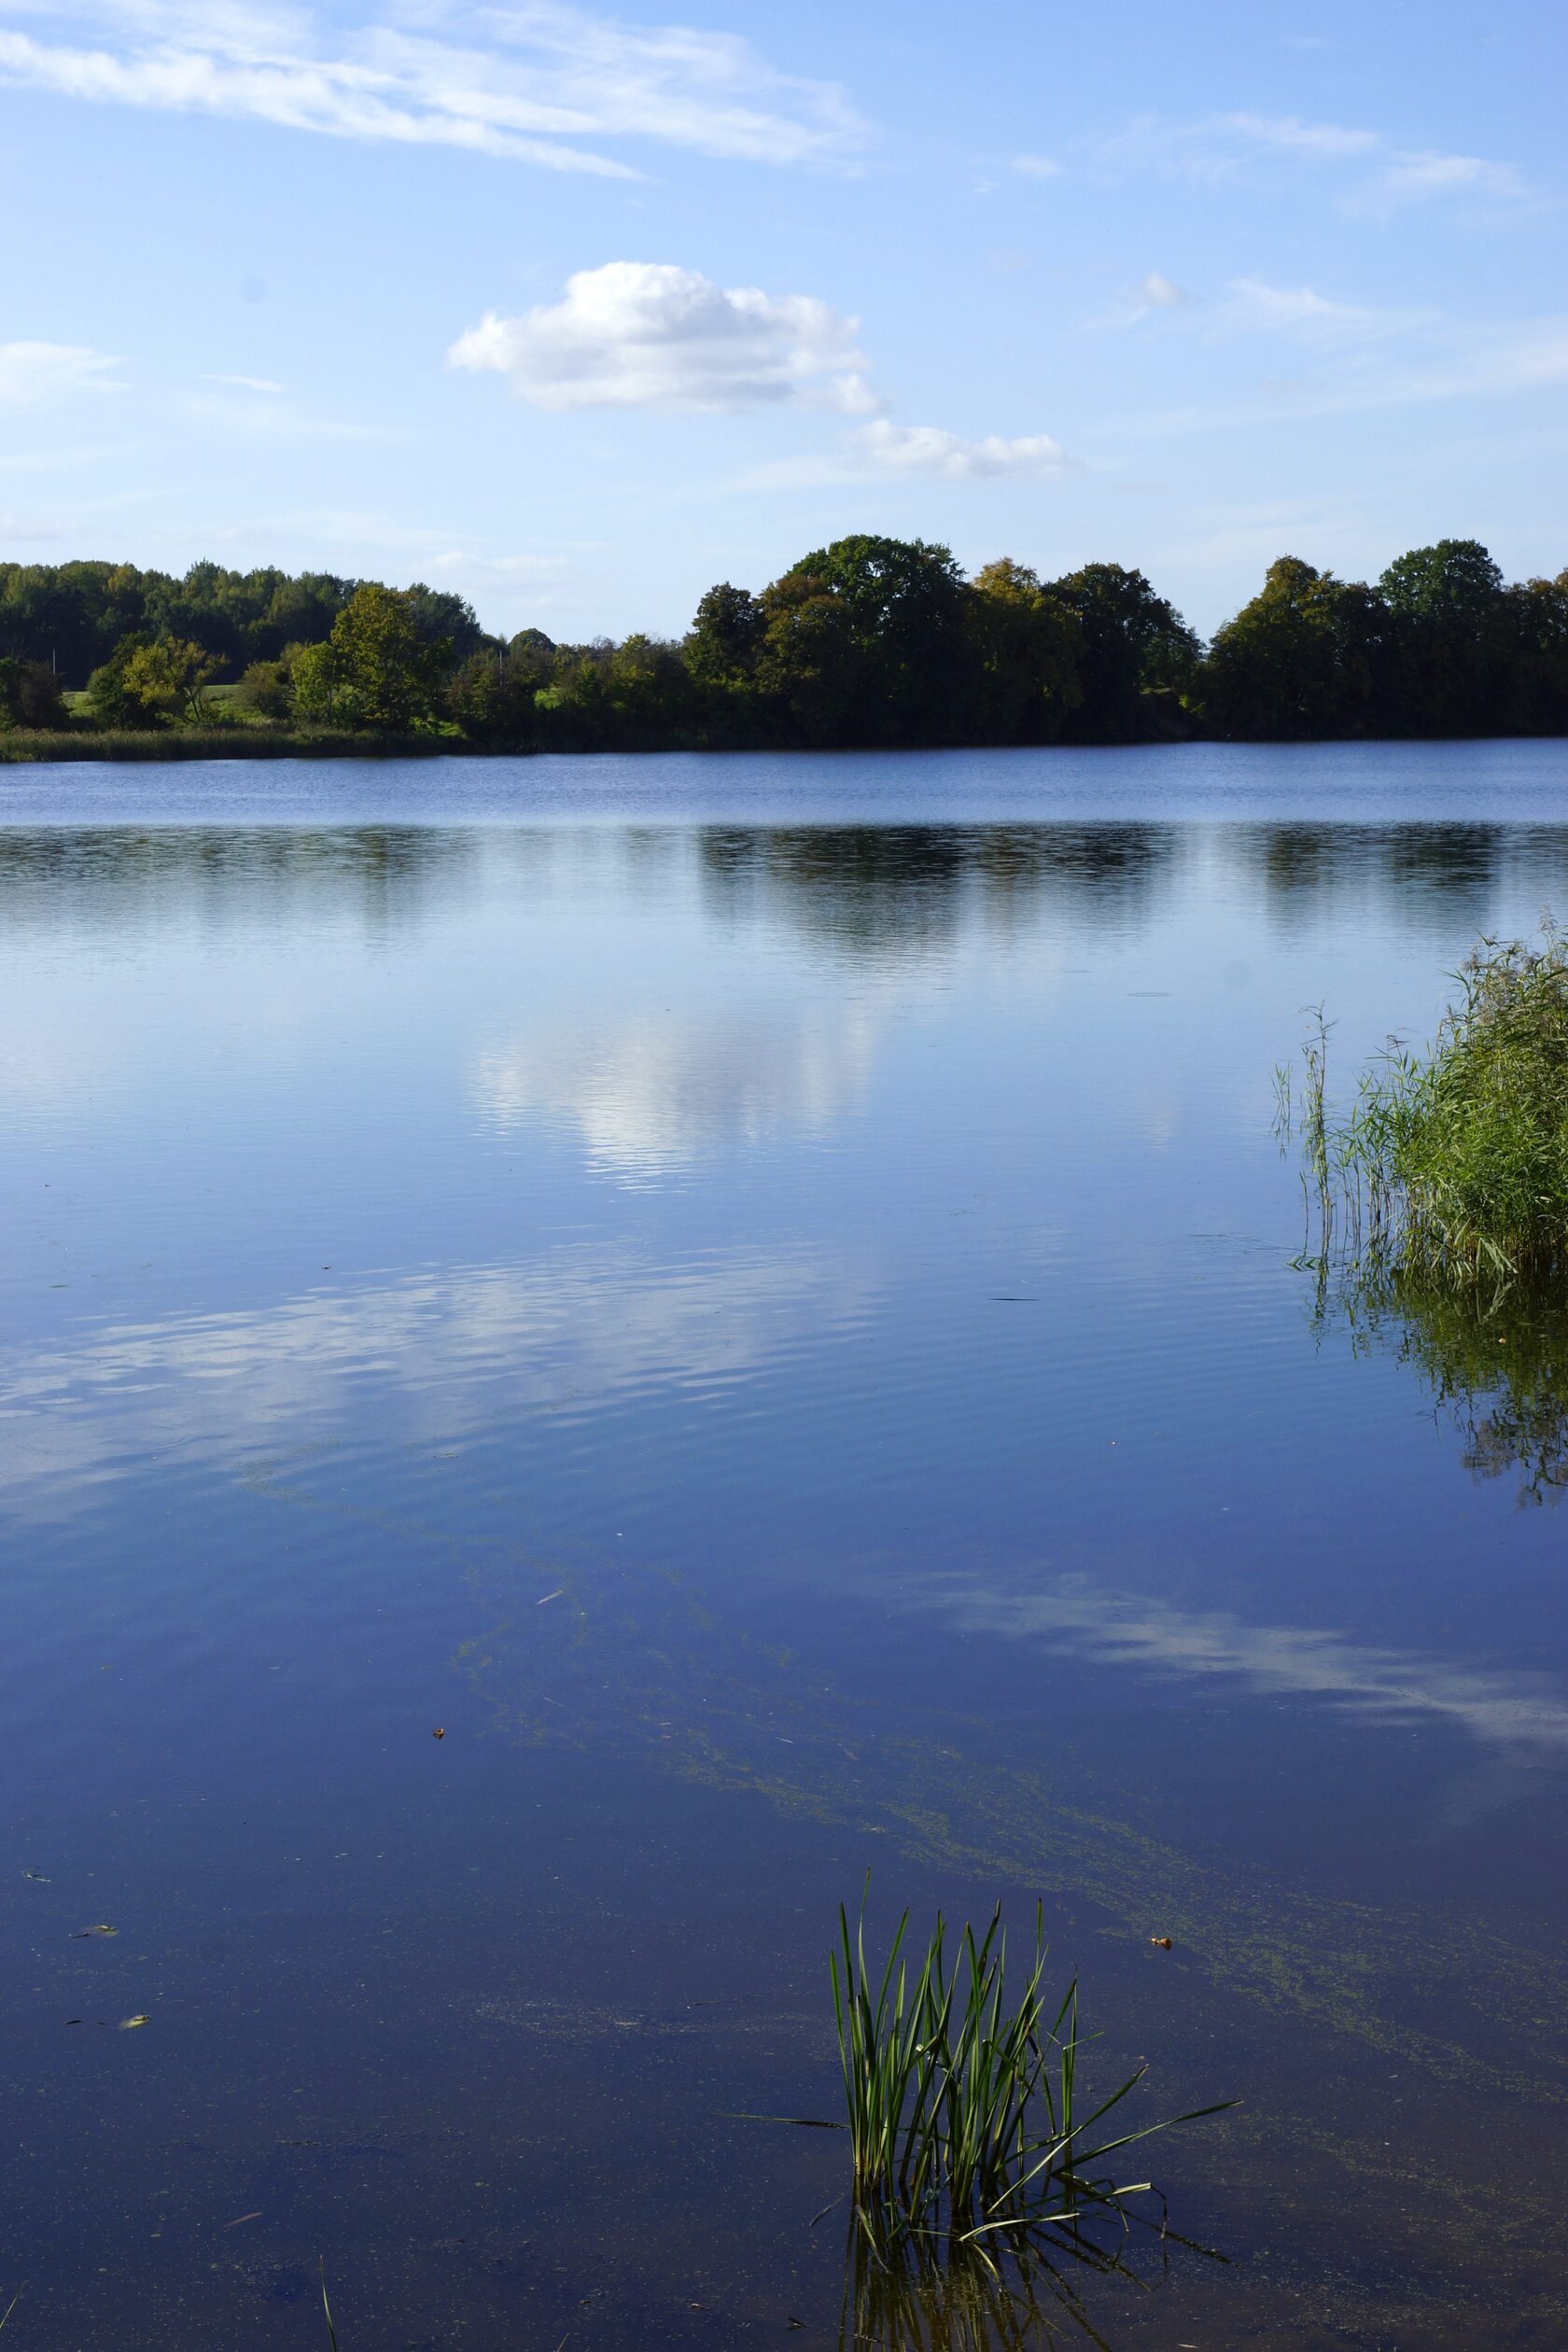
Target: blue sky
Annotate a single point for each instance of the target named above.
(579, 312)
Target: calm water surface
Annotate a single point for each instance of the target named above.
(757, 1297)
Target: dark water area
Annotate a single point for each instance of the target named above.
(757, 1297)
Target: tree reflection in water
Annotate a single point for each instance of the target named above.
(1496, 1359)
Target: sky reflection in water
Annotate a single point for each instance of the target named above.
(780, 1338)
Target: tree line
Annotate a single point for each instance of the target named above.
(867, 642)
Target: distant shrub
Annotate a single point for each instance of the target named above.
(266, 691)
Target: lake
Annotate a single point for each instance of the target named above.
(593, 1348)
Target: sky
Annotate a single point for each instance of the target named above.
(578, 312)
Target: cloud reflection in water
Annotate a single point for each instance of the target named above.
(1524, 1714)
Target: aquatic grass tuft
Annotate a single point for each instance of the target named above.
(327, 2309)
(1451, 1163)
(966, 2123)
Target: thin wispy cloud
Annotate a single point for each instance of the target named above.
(38, 373)
(247, 384)
(1253, 307)
(1441, 361)
(650, 335)
(1373, 172)
(1414, 176)
(536, 83)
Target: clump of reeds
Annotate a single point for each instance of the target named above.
(967, 2127)
(1452, 1162)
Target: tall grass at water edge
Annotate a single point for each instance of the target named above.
(967, 2124)
(1451, 1163)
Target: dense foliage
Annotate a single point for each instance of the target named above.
(869, 641)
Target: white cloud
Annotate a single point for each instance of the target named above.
(31, 373)
(1328, 139)
(1413, 176)
(927, 449)
(1156, 292)
(1036, 166)
(527, 82)
(647, 334)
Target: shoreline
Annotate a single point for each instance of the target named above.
(21, 748)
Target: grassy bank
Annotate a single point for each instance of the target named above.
(25, 747)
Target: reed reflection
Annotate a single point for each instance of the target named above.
(1495, 1363)
(912, 2298)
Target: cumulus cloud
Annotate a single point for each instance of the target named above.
(647, 334)
(530, 82)
(927, 449)
(32, 373)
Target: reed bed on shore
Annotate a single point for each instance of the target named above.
(28, 746)
(1452, 1162)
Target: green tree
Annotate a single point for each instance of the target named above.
(30, 694)
(811, 672)
(1131, 644)
(1024, 652)
(1304, 659)
(904, 602)
(374, 670)
(494, 696)
(1451, 631)
(1536, 700)
(724, 643)
(150, 681)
